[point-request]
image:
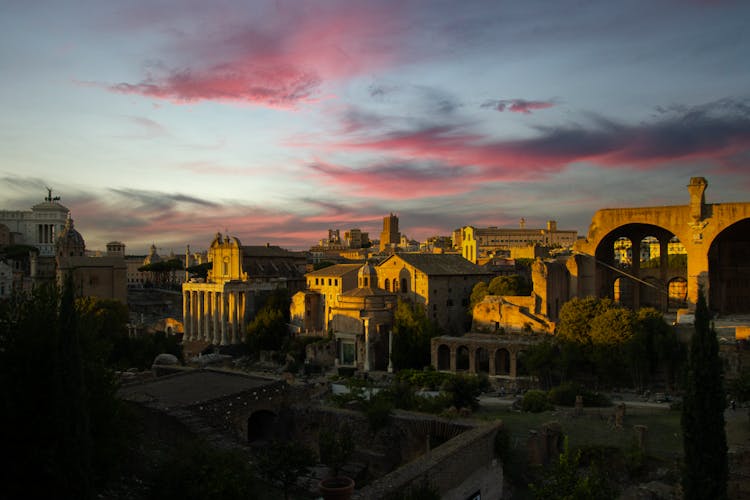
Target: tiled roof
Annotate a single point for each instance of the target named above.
(335, 270)
(439, 264)
(269, 251)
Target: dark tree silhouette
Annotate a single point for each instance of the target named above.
(704, 438)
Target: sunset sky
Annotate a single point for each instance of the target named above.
(167, 121)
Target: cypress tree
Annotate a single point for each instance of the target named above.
(704, 439)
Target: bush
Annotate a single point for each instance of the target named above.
(196, 470)
(565, 395)
(536, 402)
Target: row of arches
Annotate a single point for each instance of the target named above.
(639, 265)
(502, 361)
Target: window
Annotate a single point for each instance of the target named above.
(449, 302)
(329, 281)
(387, 285)
(336, 282)
(404, 286)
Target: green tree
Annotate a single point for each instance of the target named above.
(200, 270)
(704, 439)
(567, 480)
(267, 331)
(59, 415)
(478, 293)
(576, 316)
(412, 332)
(514, 284)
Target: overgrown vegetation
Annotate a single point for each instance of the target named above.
(196, 471)
(412, 332)
(59, 421)
(598, 340)
(703, 403)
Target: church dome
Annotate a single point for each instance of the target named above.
(367, 277)
(70, 242)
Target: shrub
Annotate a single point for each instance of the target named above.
(565, 395)
(536, 402)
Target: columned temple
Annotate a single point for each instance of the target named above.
(216, 310)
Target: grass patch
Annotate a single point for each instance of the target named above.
(596, 428)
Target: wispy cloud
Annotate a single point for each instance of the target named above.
(517, 105)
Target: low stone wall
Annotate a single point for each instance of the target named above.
(458, 469)
(229, 414)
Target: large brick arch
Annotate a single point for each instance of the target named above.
(697, 225)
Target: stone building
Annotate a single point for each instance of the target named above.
(390, 237)
(6, 280)
(38, 227)
(324, 288)
(715, 237)
(102, 276)
(493, 355)
(216, 310)
(356, 302)
(479, 243)
(442, 283)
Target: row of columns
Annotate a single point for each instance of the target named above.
(492, 354)
(213, 316)
(45, 233)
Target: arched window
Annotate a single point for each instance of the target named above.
(387, 285)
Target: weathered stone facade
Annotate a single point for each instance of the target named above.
(494, 355)
(716, 237)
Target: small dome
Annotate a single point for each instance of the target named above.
(70, 242)
(367, 276)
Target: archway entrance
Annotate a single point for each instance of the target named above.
(729, 270)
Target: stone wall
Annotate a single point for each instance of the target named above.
(229, 415)
(458, 469)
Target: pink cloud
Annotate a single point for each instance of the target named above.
(394, 181)
(518, 105)
(279, 59)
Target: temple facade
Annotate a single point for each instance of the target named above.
(216, 310)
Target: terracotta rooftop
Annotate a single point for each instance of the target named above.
(335, 270)
(439, 264)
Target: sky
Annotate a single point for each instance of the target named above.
(165, 122)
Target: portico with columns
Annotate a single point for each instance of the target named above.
(216, 310)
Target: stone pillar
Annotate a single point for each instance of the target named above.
(493, 368)
(185, 315)
(207, 313)
(216, 316)
(664, 272)
(513, 363)
(641, 433)
(453, 358)
(473, 360)
(224, 317)
(635, 270)
(200, 314)
(697, 275)
(193, 314)
(579, 405)
(366, 325)
(390, 353)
